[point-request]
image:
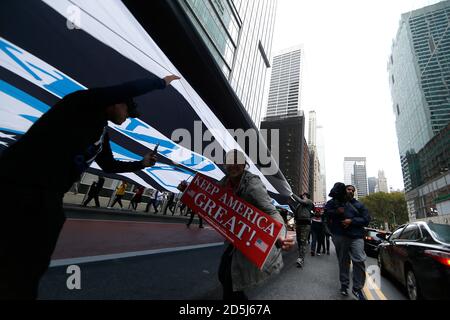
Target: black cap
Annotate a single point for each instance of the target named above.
(132, 108)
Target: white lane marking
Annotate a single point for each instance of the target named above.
(70, 261)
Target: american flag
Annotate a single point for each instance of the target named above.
(261, 245)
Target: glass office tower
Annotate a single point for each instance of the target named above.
(239, 35)
(419, 77)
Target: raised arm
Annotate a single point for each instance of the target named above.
(121, 93)
(107, 162)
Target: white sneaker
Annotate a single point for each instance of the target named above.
(300, 262)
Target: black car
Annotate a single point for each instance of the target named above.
(371, 241)
(418, 256)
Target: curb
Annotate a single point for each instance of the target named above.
(126, 213)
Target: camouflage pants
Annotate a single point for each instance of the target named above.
(302, 232)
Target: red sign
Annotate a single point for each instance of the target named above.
(250, 230)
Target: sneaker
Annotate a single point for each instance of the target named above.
(312, 254)
(359, 295)
(300, 263)
(318, 254)
(344, 291)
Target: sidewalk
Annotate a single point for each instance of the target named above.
(115, 212)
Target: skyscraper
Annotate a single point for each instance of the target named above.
(316, 175)
(239, 35)
(285, 83)
(284, 114)
(294, 159)
(312, 129)
(372, 182)
(355, 173)
(419, 74)
(419, 77)
(382, 182)
(315, 183)
(321, 155)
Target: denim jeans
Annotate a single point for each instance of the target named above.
(347, 250)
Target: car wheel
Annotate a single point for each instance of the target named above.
(412, 287)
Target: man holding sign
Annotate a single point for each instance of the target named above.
(240, 209)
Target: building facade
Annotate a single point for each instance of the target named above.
(315, 178)
(285, 83)
(431, 198)
(355, 173)
(304, 166)
(239, 35)
(372, 184)
(382, 182)
(312, 129)
(294, 155)
(317, 163)
(320, 136)
(419, 77)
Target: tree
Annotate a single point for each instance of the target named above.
(386, 207)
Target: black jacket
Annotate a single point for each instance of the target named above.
(64, 142)
(354, 210)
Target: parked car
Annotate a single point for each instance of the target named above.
(417, 254)
(372, 241)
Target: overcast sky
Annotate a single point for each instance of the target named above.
(347, 44)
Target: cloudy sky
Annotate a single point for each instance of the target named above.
(347, 44)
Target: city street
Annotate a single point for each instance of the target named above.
(136, 118)
(124, 257)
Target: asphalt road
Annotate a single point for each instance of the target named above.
(319, 280)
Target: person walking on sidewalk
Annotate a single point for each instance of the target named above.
(302, 208)
(120, 192)
(236, 272)
(170, 203)
(137, 198)
(200, 220)
(153, 201)
(317, 233)
(327, 234)
(43, 165)
(348, 217)
(94, 192)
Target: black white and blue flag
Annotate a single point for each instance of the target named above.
(51, 48)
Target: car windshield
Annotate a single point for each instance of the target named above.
(440, 231)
